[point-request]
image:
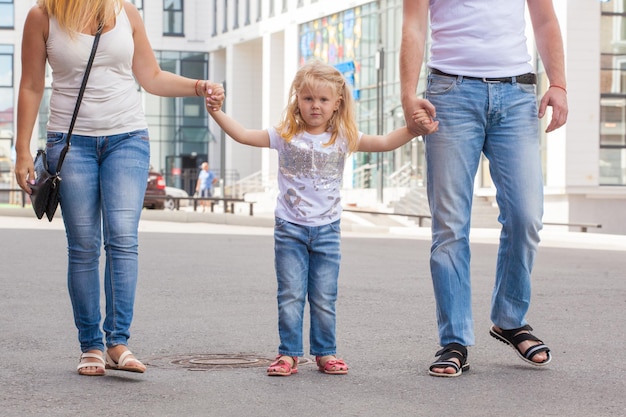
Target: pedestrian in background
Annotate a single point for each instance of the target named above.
(481, 98)
(106, 169)
(317, 132)
(204, 185)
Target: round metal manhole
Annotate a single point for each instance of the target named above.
(210, 361)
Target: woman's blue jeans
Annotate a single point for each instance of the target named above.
(307, 260)
(101, 195)
(500, 121)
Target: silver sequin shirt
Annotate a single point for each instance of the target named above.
(309, 178)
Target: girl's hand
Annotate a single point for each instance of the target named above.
(419, 114)
(214, 95)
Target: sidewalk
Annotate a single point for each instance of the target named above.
(205, 324)
(187, 221)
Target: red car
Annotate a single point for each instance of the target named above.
(155, 188)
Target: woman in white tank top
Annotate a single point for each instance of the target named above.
(105, 171)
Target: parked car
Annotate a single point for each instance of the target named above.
(170, 203)
(154, 188)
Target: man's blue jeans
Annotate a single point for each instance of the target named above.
(307, 260)
(102, 189)
(499, 120)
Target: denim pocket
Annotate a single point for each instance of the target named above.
(53, 138)
(439, 85)
(141, 134)
(336, 226)
(527, 88)
(279, 223)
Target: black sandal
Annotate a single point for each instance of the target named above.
(450, 351)
(514, 337)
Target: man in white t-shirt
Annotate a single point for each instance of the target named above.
(481, 99)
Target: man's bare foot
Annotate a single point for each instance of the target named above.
(528, 347)
(452, 361)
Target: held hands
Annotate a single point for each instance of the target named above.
(419, 114)
(213, 94)
(555, 97)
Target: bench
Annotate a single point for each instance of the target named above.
(228, 202)
(17, 192)
(421, 217)
(583, 226)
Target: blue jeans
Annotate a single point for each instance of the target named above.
(307, 261)
(101, 195)
(499, 120)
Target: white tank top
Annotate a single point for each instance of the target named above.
(111, 102)
(479, 38)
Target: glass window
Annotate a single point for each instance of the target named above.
(179, 125)
(7, 16)
(612, 164)
(247, 22)
(349, 40)
(236, 15)
(225, 28)
(214, 32)
(6, 100)
(139, 5)
(173, 18)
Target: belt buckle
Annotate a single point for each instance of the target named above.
(491, 80)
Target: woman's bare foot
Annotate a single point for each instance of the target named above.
(95, 357)
(118, 359)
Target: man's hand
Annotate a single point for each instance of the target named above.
(419, 114)
(556, 98)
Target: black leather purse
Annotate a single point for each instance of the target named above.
(45, 191)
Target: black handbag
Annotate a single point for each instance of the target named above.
(45, 191)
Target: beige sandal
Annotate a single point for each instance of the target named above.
(122, 363)
(99, 364)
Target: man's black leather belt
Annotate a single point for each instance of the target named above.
(528, 78)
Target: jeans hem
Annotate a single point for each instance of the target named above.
(285, 353)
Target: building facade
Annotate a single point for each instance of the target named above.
(255, 46)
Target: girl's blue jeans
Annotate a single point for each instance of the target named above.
(500, 121)
(101, 196)
(307, 260)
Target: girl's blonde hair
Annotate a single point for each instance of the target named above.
(76, 15)
(313, 75)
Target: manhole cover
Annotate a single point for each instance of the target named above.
(209, 361)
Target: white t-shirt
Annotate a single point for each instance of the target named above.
(111, 102)
(309, 178)
(479, 38)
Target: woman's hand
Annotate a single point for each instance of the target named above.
(25, 172)
(213, 93)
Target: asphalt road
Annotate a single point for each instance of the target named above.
(205, 324)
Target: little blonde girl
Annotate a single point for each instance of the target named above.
(317, 132)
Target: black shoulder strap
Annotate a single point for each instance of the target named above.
(80, 97)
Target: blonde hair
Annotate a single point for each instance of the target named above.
(76, 15)
(315, 74)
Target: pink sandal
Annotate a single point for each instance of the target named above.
(332, 366)
(281, 367)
